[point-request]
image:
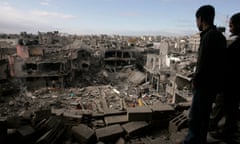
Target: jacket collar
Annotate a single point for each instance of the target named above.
(213, 27)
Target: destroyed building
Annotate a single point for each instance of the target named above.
(178, 89)
(39, 67)
(48, 38)
(7, 47)
(82, 62)
(117, 59)
(90, 91)
(157, 67)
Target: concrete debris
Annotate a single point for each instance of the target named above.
(82, 133)
(133, 128)
(109, 133)
(118, 119)
(139, 114)
(178, 122)
(57, 88)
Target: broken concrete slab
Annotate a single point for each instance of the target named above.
(98, 123)
(109, 133)
(83, 133)
(117, 119)
(108, 112)
(143, 113)
(97, 115)
(161, 107)
(136, 77)
(57, 112)
(120, 141)
(72, 115)
(135, 127)
(51, 130)
(27, 115)
(178, 122)
(25, 134)
(161, 111)
(25, 130)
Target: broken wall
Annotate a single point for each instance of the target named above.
(3, 69)
(36, 52)
(118, 58)
(15, 66)
(22, 51)
(83, 60)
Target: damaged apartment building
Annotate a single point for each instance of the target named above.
(116, 59)
(7, 47)
(157, 67)
(47, 64)
(35, 68)
(167, 76)
(178, 89)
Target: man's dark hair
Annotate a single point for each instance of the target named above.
(235, 19)
(207, 13)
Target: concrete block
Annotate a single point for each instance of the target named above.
(161, 115)
(51, 130)
(25, 131)
(135, 127)
(120, 141)
(98, 123)
(83, 133)
(117, 119)
(162, 108)
(109, 133)
(109, 112)
(27, 115)
(178, 123)
(25, 134)
(72, 115)
(143, 113)
(57, 112)
(97, 115)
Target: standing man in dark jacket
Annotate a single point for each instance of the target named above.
(231, 95)
(208, 78)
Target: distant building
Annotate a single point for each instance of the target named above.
(48, 38)
(7, 47)
(194, 42)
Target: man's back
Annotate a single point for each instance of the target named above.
(209, 71)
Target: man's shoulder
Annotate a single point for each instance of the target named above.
(215, 34)
(235, 42)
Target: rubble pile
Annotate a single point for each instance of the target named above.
(81, 115)
(92, 89)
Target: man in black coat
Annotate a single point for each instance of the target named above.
(208, 78)
(231, 93)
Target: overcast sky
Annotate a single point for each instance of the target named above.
(123, 17)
